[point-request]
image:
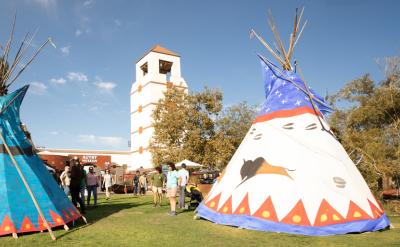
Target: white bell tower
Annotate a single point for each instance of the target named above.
(157, 70)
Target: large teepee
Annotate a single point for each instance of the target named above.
(290, 174)
(30, 200)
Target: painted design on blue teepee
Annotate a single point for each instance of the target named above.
(17, 210)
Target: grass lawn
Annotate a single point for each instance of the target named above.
(131, 221)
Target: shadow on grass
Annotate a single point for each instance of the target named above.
(103, 209)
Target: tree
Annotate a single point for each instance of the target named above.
(170, 123)
(369, 128)
(232, 126)
(184, 126)
(204, 108)
(195, 127)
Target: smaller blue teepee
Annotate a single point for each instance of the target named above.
(18, 213)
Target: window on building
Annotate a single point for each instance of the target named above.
(144, 68)
(165, 67)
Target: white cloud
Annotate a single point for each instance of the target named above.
(78, 32)
(88, 2)
(77, 76)
(111, 141)
(106, 86)
(117, 23)
(65, 50)
(38, 88)
(59, 81)
(54, 133)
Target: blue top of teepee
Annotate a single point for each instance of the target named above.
(285, 90)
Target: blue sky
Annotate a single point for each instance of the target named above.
(79, 95)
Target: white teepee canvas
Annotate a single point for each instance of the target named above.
(290, 173)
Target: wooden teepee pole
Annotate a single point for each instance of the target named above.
(27, 187)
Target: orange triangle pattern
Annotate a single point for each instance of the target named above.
(356, 213)
(57, 220)
(213, 203)
(227, 207)
(327, 215)
(7, 227)
(267, 211)
(243, 207)
(27, 226)
(297, 216)
(375, 210)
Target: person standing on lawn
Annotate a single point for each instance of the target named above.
(183, 175)
(83, 183)
(107, 183)
(157, 183)
(143, 184)
(92, 184)
(75, 186)
(65, 179)
(136, 183)
(172, 187)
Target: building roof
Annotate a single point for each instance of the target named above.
(81, 151)
(159, 49)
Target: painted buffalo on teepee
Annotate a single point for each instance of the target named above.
(290, 174)
(18, 212)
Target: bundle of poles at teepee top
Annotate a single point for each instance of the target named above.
(284, 56)
(11, 70)
(9, 73)
(279, 52)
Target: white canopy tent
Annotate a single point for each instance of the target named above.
(189, 164)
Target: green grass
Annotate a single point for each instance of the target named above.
(131, 221)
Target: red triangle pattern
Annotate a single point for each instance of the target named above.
(213, 203)
(41, 226)
(375, 210)
(57, 219)
(297, 216)
(243, 207)
(379, 204)
(27, 226)
(327, 215)
(66, 216)
(7, 227)
(74, 213)
(227, 207)
(356, 213)
(267, 211)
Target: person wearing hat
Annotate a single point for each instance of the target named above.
(92, 183)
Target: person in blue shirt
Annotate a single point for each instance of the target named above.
(172, 186)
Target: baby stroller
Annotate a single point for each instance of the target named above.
(195, 196)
